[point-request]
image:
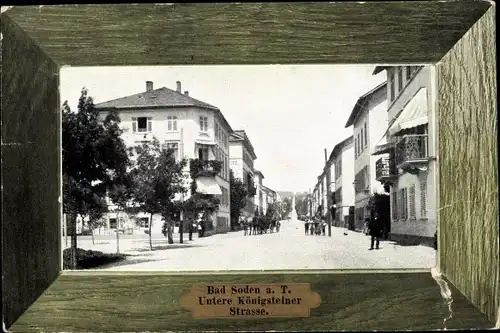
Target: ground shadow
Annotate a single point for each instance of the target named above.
(167, 247)
(127, 262)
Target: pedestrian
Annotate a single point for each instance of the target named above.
(374, 230)
(191, 227)
(311, 227)
(323, 229)
(245, 227)
(306, 227)
(199, 229)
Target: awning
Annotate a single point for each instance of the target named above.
(208, 143)
(383, 149)
(208, 185)
(413, 114)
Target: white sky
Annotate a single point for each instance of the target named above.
(291, 113)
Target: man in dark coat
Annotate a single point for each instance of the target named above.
(375, 228)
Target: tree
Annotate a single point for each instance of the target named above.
(94, 156)
(238, 197)
(96, 211)
(302, 203)
(286, 207)
(120, 193)
(157, 178)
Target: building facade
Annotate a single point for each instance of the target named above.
(259, 192)
(369, 121)
(341, 164)
(242, 158)
(406, 162)
(192, 128)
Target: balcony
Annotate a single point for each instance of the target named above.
(412, 150)
(385, 169)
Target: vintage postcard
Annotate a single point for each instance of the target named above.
(268, 167)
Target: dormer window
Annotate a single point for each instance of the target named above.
(142, 124)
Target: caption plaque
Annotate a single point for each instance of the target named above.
(251, 300)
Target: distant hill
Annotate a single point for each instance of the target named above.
(285, 194)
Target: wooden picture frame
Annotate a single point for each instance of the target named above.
(457, 36)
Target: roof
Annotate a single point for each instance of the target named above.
(268, 189)
(240, 135)
(339, 147)
(158, 98)
(379, 69)
(161, 97)
(360, 104)
(257, 172)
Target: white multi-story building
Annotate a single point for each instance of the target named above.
(369, 121)
(341, 162)
(407, 164)
(259, 192)
(194, 129)
(242, 158)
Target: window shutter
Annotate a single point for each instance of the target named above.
(134, 124)
(174, 123)
(150, 124)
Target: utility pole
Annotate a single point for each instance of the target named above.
(328, 196)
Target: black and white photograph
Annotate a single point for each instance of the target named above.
(255, 167)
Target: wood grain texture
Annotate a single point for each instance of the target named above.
(30, 170)
(249, 33)
(36, 39)
(142, 303)
(468, 166)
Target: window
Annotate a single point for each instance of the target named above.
(202, 153)
(423, 199)
(225, 196)
(362, 144)
(216, 126)
(142, 124)
(172, 123)
(203, 123)
(412, 202)
(403, 204)
(394, 205)
(409, 72)
(112, 223)
(366, 135)
(361, 181)
(400, 78)
(174, 146)
(391, 85)
(355, 147)
(359, 145)
(144, 222)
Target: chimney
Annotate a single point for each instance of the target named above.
(179, 87)
(186, 93)
(149, 85)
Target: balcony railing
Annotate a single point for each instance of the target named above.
(412, 148)
(385, 167)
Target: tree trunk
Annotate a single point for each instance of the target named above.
(181, 228)
(118, 233)
(72, 222)
(181, 233)
(92, 232)
(150, 224)
(170, 231)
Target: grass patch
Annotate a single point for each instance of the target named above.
(86, 259)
